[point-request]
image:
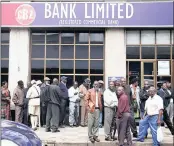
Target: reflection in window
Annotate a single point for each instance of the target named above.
(82, 51)
(4, 78)
(52, 51)
(52, 66)
(148, 68)
(148, 52)
(67, 38)
(80, 79)
(67, 66)
(163, 37)
(82, 38)
(38, 51)
(133, 52)
(163, 52)
(4, 66)
(81, 67)
(4, 51)
(4, 38)
(38, 38)
(133, 37)
(96, 67)
(37, 66)
(52, 38)
(67, 51)
(96, 52)
(96, 38)
(148, 37)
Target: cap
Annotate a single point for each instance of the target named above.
(101, 82)
(33, 82)
(63, 78)
(38, 82)
(87, 80)
(46, 79)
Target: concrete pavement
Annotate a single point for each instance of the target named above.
(79, 137)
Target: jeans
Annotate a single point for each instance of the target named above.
(148, 122)
(101, 118)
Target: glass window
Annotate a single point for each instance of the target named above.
(38, 51)
(38, 38)
(52, 38)
(163, 52)
(4, 51)
(133, 37)
(133, 52)
(82, 51)
(96, 52)
(67, 38)
(96, 67)
(148, 52)
(67, 52)
(67, 66)
(82, 38)
(37, 77)
(148, 68)
(147, 37)
(134, 71)
(96, 38)
(4, 66)
(80, 79)
(173, 52)
(4, 78)
(37, 66)
(5, 38)
(95, 78)
(52, 51)
(81, 67)
(163, 37)
(172, 36)
(52, 66)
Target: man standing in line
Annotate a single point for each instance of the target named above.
(53, 109)
(101, 89)
(110, 103)
(83, 89)
(93, 102)
(64, 100)
(123, 118)
(74, 100)
(18, 99)
(43, 100)
(128, 92)
(152, 116)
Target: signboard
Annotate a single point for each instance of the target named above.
(164, 68)
(87, 14)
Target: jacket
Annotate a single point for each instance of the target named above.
(82, 94)
(54, 94)
(64, 91)
(18, 96)
(91, 100)
(143, 97)
(72, 97)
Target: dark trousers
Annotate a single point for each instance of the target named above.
(52, 118)
(166, 119)
(25, 116)
(43, 114)
(133, 123)
(62, 111)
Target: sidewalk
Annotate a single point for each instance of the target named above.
(78, 137)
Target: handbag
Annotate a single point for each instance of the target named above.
(160, 135)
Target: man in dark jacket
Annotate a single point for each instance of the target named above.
(143, 97)
(64, 99)
(128, 92)
(166, 96)
(53, 107)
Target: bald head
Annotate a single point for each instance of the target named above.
(120, 90)
(55, 81)
(96, 85)
(152, 91)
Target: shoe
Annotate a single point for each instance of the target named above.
(92, 140)
(96, 139)
(62, 126)
(137, 139)
(114, 138)
(82, 125)
(135, 135)
(108, 138)
(47, 130)
(71, 126)
(55, 130)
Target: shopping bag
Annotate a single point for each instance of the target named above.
(160, 136)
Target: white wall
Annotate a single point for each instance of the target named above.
(115, 53)
(19, 57)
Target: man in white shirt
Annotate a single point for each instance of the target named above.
(152, 116)
(110, 103)
(74, 103)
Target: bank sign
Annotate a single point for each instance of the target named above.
(87, 14)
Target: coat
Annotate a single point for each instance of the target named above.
(18, 96)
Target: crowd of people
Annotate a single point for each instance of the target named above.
(115, 108)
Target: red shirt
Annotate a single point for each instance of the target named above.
(123, 105)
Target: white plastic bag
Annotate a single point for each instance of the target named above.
(160, 136)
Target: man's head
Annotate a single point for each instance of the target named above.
(117, 83)
(33, 82)
(96, 85)
(4, 84)
(111, 85)
(164, 85)
(55, 81)
(146, 84)
(47, 80)
(101, 83)
(135, 82)
(123, 82)
(63, 79)
(38, 83)
(152, 91)
(87, 82)
(21, 84)
(75, 84)
(168, 85)
(120, 90)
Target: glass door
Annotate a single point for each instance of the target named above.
(148, 72)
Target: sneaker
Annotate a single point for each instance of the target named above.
(96, 139)
(108, 138)
(55, 130)
(135, 135)
(92, 140)
(47, 130)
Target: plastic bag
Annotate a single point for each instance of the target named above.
(160, 136)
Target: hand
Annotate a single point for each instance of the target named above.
(76, 93)
(159, 122)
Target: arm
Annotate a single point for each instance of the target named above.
(15, 97)
(160, 107)
(106, 95)
(121, 107)
(143, 95)
(87, 98)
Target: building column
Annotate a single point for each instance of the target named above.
(19, 57)
(115, 53)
